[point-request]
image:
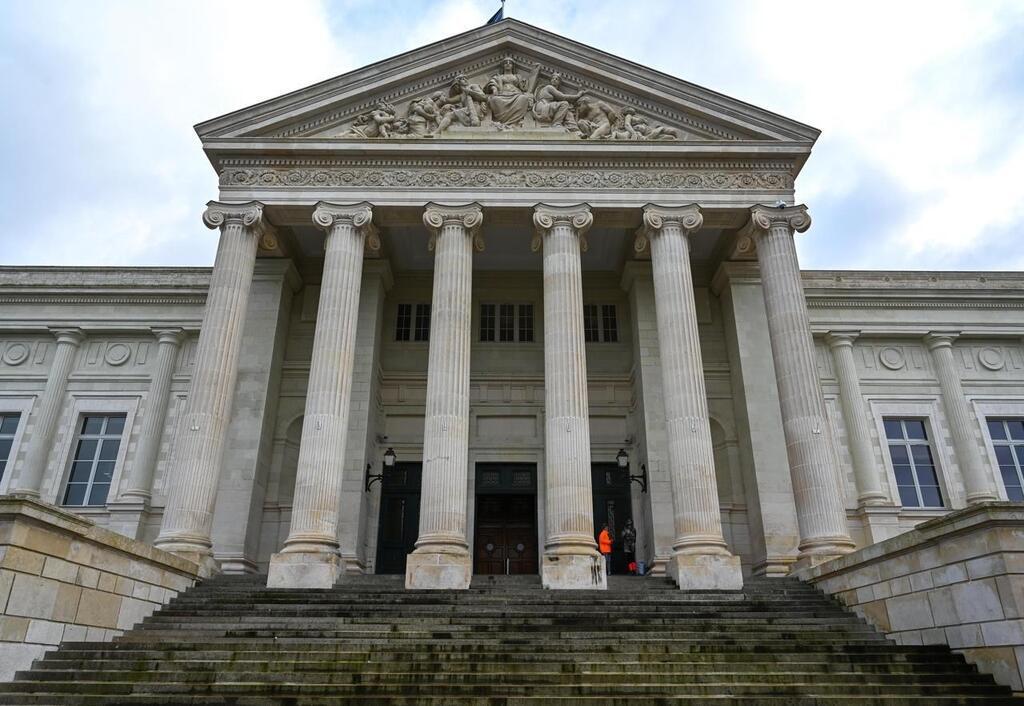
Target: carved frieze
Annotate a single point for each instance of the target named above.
(518, 174)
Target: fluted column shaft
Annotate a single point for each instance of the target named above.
(865, 472)
(691, 454)
(570, 509)
(31, 479)
(140, 481)
(199, 447)
(314, 523)
(809, 443)
(441, 558)
(977, 481)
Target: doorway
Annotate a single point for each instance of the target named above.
(505, 540)
(612, 504)
(398, 524)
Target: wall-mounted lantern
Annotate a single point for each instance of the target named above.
(389, 462)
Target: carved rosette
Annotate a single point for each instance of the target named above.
(578, 218)
(470, 217)
(357, 215)
(689, 219)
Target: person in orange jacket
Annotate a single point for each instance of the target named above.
(604, 543)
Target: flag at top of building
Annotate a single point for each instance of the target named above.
(499, 15)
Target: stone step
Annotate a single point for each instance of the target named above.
(532, 700)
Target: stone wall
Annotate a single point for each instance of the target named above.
(956, 580)
(64, 578)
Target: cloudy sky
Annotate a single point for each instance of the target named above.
(921, 104)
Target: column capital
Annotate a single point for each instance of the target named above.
(71, 335)
(172, 336)
(940, 339)
(249, 214)
(470, 216)
(840, 339)
(689, 219)
(763, 218)
(578, 217)
(357, 215)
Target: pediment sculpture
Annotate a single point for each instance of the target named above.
(508, 102)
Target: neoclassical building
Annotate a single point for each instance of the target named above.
(474, 302)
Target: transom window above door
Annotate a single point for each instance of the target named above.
(412, 322)
(506, 323)
(913, 463)
(600, 323)
(1008, 441)
(99, 440)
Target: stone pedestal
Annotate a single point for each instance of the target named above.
(441, 559)
(197, 457)
(811, 449)
(700, 557)
(571, 559)
(310, 556)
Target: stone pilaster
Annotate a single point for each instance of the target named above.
(571, 559)
(199, 447)
(700, 558)
(962, 423)
(129, 510)
(310, 557)
(45, 424)
(441, 558)
(810, 447)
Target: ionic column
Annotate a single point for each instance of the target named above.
(199, 447)
(810, 447)
(700, 558)
(441, 558)
(977, 481)
(140, 480)
(310, 557)
(571, 559)
(31, 478)
(865, 472)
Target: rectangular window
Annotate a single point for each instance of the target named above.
(99, 439)
(591, 327)
(487, 322)
(8, 427)
(1008, 440)
(506, 323)
(609, 324)
(403, 322)
(912, 462)
(422, 332)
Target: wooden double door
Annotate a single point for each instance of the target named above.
(505, 539)
(398, 523)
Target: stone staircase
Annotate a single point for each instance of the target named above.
(230, 641)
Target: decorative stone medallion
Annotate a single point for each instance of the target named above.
(16, 354)
(991, 358)
(117, 354)
(892, 358)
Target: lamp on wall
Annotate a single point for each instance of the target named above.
(622, 458)
(371, 478)
(641, 478)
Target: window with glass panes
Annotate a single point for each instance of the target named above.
(412, 322)
(1008, 440)
(506, 323)
(99, 439)
(912, 462)
(600, 323)
(8, 427)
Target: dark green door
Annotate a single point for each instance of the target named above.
(399, 522)
(612, 504)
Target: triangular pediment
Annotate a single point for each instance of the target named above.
(463, 89)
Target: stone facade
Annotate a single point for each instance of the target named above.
(375, 291)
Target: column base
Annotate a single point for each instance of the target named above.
(706, 572)
(774, 567)
(819, 551)
(303, 570)
(128, 516)
(436, 571)
(880, 522)
(573, 572)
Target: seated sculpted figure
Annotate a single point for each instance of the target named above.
(376, 123)
(555, 107)
(596, 118)
(423, 116)
(508, 96)
(461, 105)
